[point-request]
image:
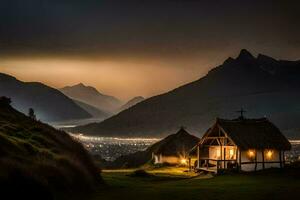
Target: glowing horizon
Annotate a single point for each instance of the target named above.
(122, 79)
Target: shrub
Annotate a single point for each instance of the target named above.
(5, 101)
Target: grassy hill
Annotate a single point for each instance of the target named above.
(166, 185)
(40, 162)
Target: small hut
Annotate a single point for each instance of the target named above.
(244, 144)
(174, 149)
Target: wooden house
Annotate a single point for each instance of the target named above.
(174, 148)
(244, 144)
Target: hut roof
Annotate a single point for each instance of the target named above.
(178, 144)
(254, 133)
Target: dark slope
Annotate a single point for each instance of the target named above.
(131, 103)
(49, 104)
(92, 96)
(95, 112)
(263, 86)
(38, 161)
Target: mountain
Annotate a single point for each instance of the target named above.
(131, 102)
(95, 112)
(91, 96)
(48, 103)
(40, 162)
(178, 144)
(262, 85)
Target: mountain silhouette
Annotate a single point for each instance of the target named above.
(131, 103)
(92, 96)
(262, 85)
(48, 103)
(95, 112)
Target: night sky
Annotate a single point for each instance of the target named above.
(128, 48)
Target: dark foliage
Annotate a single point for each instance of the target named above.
(31, 114)
(5, 101)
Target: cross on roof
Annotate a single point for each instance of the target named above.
(242, 111)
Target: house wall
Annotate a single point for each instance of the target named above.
(214, 152)
(217, 153)
(251, 167)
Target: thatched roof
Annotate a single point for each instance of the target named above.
(178, 144)
(254, 133)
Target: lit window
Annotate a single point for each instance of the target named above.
(218, 153)
(231, 152)
(269, 154)
(251, 154)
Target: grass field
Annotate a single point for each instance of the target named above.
(174, 184)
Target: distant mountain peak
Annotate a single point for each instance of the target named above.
(265, 59)
(90, 95)
(245, 55)
(228, 61)
(80, 85)
(268, 63)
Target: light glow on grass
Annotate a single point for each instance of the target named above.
(183, 161)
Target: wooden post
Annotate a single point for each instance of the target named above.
(283, 158)
(240, 160)
(236, 157)
(255, 160)
(280, 159)
(263, 158)
(198, 156)
(207, 164)
(221, 154)
(224, 157)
